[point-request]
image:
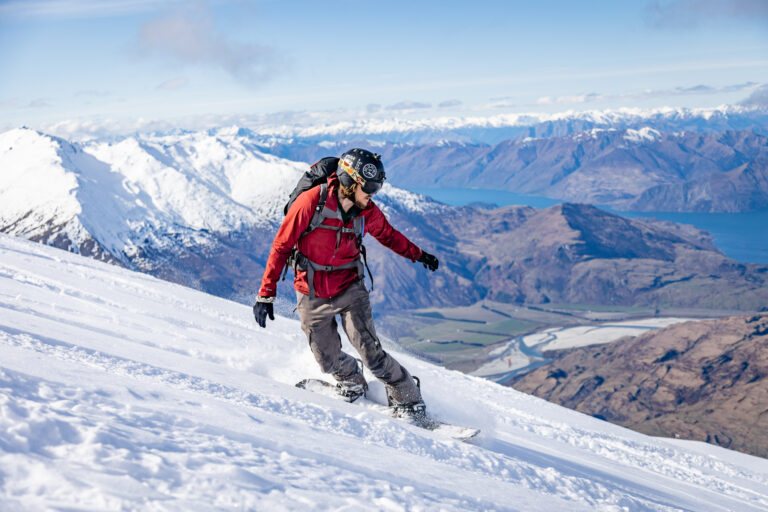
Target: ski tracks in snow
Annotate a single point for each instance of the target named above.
(367, 427)
(161, 437)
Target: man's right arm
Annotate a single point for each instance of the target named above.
(295, 223)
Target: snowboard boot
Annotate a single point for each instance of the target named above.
(353, 387)
(415, 412)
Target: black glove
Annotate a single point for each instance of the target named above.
(428, 261)
(260, 312)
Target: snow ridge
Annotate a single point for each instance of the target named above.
(118, 390)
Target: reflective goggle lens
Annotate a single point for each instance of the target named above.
(371, 187)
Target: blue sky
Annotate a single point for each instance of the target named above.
(89, 61)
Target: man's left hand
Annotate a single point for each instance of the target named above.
(428, 261)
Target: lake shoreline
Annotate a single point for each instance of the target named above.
(740, 236)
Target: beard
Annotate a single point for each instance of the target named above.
(362, 205)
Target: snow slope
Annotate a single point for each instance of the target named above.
(120, 391)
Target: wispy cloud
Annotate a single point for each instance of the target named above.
(39, 103)
(189, 36)
(409, 105)
(646, 94)
(759, 98)
(579, 98)
(173, 84)
(449, 103)
(92, 93)
(691, 13)
(79, 8)
(10, 103)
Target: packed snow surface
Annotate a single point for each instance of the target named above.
(119, 391)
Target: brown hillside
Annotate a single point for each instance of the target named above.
(704, 381)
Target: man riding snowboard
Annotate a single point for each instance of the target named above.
(321, 235)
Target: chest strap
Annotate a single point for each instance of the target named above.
(301, 262)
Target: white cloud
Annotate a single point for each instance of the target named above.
(10, 103)
(759, 98)
(580, 98)
(39, 103)
(188, 36)
(92, 93)
(79, 8)
(174, 84)
(409, 105)
(691, 13)
(646, 94)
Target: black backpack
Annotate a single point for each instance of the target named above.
(316, 175)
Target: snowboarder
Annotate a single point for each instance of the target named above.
(321, 238)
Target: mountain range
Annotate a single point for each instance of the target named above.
(202, 209)
(626, 169)
(498, 128)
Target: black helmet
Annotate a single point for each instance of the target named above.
(363, 167)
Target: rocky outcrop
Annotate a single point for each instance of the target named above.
(705, 381)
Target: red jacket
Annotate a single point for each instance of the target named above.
(319, 245)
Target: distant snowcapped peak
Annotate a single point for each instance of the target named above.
(644, 134)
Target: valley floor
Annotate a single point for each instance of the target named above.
(524, 353)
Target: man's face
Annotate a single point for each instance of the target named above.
(361, 198)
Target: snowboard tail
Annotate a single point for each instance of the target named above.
(453, 431)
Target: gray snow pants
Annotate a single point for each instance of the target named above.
(318, 321)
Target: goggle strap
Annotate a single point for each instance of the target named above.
(353, 173)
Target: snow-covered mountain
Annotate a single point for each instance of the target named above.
(123, 195)
(195, 208)
(119, 391)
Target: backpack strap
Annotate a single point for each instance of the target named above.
(364, 262)
(320, 209)
(322, 212)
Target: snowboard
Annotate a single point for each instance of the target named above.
(440, 427)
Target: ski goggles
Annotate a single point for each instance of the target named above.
(369, 187)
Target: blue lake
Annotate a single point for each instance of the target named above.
(741, 236)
